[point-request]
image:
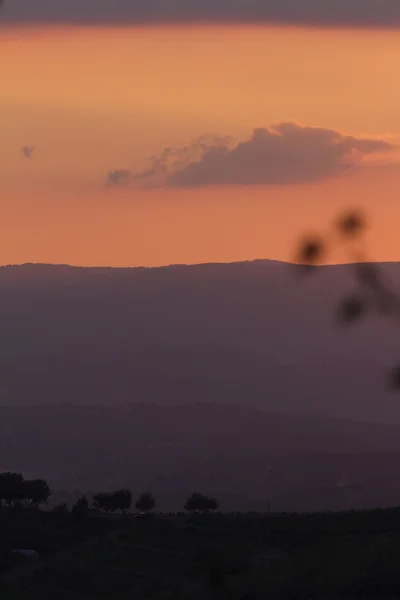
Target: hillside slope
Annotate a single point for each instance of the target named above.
(251, 333)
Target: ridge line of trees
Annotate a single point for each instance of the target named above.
(15, 490)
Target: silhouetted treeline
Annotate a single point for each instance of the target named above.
(15, 490)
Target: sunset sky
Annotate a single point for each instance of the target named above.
(240, 129)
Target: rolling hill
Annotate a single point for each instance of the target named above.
(255, 334)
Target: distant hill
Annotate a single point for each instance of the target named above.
(246, 457)
(253, 333)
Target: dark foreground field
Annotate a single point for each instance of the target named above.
(322, 556)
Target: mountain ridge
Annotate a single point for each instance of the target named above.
(251, 333)
(255, 261)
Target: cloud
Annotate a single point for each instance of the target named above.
(171, 160)
(286, 153)
(347, 13)
(118, 176)
(27, 151)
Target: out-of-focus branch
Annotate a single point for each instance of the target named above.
(374, 289)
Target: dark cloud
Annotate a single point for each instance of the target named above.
(118, 176)
(284, 154)
(27, 151)
(176, 160)
(364, 13)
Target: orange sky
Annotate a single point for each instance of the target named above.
(97, 99)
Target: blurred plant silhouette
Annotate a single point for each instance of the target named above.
(374, 288)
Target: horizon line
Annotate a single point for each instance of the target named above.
(200, 264)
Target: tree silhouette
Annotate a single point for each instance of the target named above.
(103, 502)
(201, 503)
(110, 502)
(11, 487)
(35, 492)
(122, 500)
(145, 502)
